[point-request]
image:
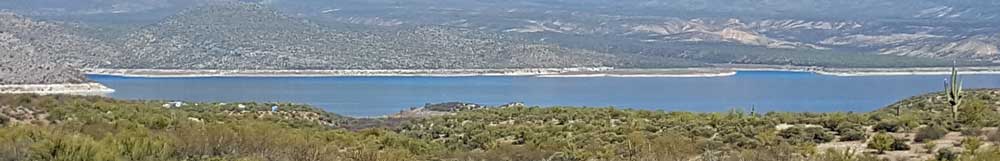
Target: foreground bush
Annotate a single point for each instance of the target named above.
(946, 155)
(930, 133)
(882, 142)
(801, 135)
(900, 144)
(887, 126)
(854, 136)
(971, 144)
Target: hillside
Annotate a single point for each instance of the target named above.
(921, 30)
(30, 51)
(250, 36)
(936, 103)
(20, 66)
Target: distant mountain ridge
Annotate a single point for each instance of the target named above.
(251, 36)
(886, 32)
(782, 24)
(808, 9)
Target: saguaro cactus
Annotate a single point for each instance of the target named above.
(954, 89)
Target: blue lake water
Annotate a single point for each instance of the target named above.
(372, 96)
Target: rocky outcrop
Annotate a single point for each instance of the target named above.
(693, 30)
(755, 33)
(979, 47)
(955, 12)
(768, 25)
(862, 40)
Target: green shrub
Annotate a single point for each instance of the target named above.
(929, 134)
(887, 126)
(907, 122)
(820, 135)
(882, 142)
(4, 119)
(971, 132)
(971, 144)
(66, 147)
(900, 144)
(930, 147)
(974, 113)
(990, 155)
(800, 135)
(839, 155)
(848, 126)
(853, 136)
(946, 154)
(703, 131)
(146, 131)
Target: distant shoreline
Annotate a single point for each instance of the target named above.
(185, 73)
(721, 70)
(855, 72)
(64, 88)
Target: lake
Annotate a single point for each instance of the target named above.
(374, 96)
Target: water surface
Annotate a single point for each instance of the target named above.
(373, 96)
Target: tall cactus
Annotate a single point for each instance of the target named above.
(954, 90)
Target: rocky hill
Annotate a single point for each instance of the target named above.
(22, 65)
(42, 53)
(922, 29)
(251, 36)
(59, 41)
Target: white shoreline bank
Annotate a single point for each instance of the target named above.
(861, 74)
(724, 74)
(907, 71)
(179, 73)
(538, 72)
(66, 88)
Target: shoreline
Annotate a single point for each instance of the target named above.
(64, 88)
(641, 76)
(722, 70)
(182, 73)
(907, 71)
